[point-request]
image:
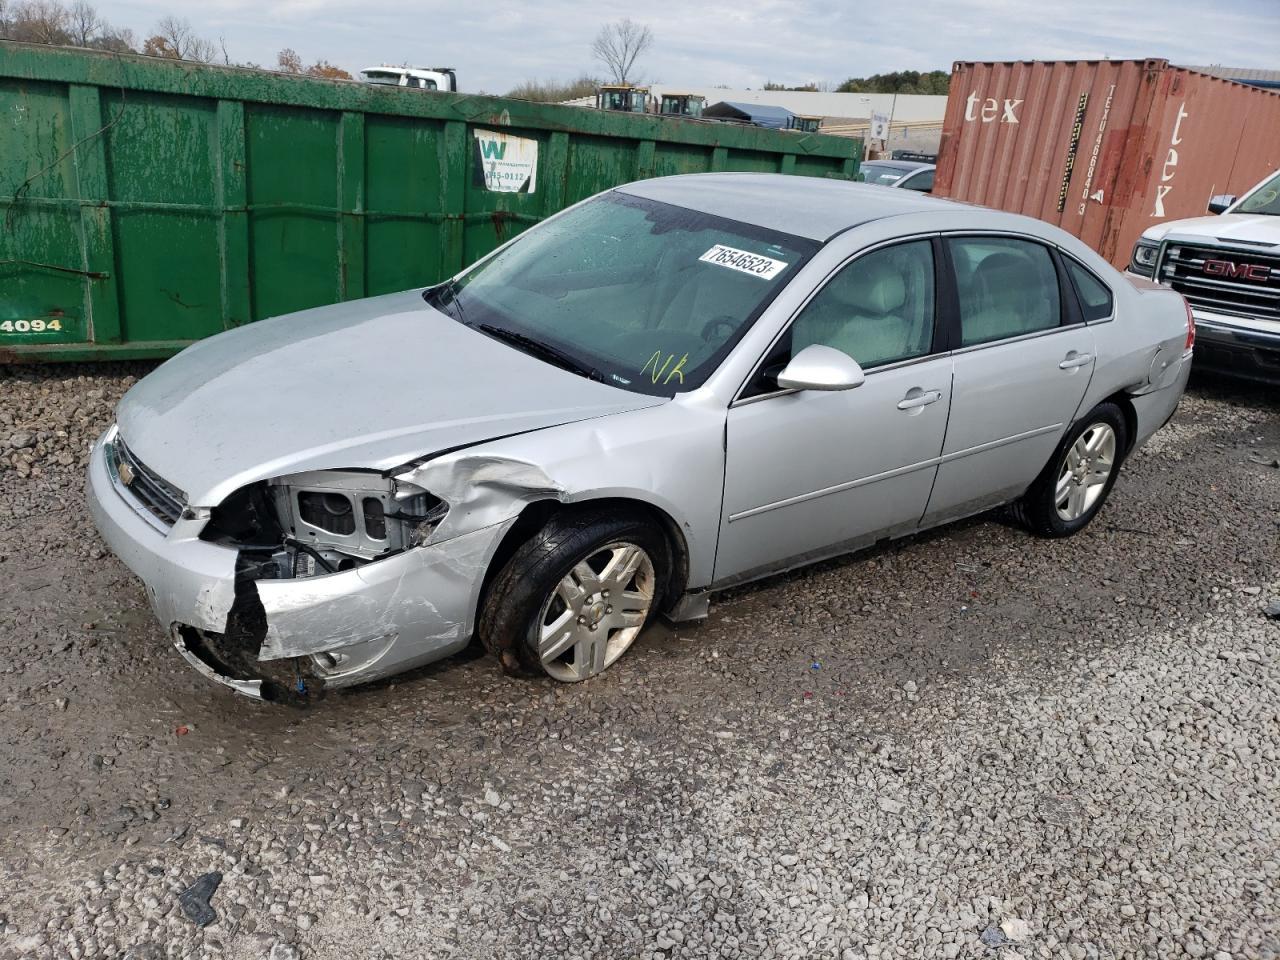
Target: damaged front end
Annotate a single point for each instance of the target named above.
(321, 557)
(314, 580)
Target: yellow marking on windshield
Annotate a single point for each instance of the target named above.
(658, 371)
(676, 370)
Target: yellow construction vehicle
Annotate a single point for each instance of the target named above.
(681, 104)
(623, 97)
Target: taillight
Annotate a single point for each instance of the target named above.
(1191, 325)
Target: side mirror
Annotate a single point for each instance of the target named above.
(819, 367)
(1219, 203)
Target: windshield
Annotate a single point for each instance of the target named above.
(1266, 199)
(639, 294)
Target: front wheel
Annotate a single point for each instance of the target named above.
(573, 599)
(1076, 482)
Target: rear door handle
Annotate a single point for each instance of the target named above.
(917, 398)
(1074, 360)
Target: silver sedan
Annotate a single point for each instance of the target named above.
(672, 387)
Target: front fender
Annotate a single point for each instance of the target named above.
(670, 457)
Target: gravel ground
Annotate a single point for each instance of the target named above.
(970, 744)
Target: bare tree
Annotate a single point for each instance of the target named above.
(54, 22)
(288, 61)
(176, 40)
(619, 44)
(116, 40)
(40, 21)
(327, 71)
(555, 91)
(83, 23)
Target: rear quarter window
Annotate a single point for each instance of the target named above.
(1096, 301)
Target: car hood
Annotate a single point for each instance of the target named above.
(372, 384)
(1249, 227)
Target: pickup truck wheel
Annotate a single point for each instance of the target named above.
(573, 599)
(1078, 478)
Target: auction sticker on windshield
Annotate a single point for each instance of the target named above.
(743, 261)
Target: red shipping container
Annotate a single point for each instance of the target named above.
(1103, 148)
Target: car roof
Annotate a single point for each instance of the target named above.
(811, 207)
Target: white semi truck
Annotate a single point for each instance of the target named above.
(412, 78)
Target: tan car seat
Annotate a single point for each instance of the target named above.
(1007, 305)
(861, 314)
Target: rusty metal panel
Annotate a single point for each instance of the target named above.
(1207, 136)
(1102, 148)
(146, 203)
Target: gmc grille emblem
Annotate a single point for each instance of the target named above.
(1245, 271)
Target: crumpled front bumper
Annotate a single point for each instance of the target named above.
(372, 622)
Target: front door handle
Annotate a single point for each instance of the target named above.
(1074, 360)
(917, 398)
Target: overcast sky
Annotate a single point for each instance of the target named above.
(738, 43)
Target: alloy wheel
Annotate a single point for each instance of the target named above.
(1085, 470)
(595, 612)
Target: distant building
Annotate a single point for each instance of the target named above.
(1268, 79)
(916, 119)
(758, 114)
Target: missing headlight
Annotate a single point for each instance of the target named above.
(331, 512)
(334, 520)
(323, 522)
(375, 518)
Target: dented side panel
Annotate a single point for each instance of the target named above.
(670, 457)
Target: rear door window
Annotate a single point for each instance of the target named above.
(1007, 287)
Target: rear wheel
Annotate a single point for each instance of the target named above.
(1077, 480)
(573, 599)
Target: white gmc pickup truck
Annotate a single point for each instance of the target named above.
(1228, 268)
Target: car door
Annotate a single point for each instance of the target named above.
(1022, 366)
(813, 473)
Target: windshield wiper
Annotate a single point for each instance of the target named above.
(545, 351)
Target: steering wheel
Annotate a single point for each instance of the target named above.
(715, 323)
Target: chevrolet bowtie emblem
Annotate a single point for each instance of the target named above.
(126, 474)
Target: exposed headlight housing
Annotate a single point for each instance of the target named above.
(1143, 259)
(349, 517)
(325, 521)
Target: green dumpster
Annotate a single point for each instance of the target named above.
(146, 203)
